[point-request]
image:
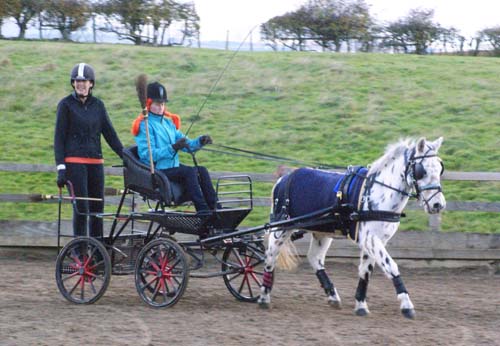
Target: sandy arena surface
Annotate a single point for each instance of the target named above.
(454, 306)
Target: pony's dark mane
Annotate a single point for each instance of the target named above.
(392, 150)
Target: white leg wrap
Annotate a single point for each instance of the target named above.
(334, 300)
(361, 306)
(264, 300)
(405, 300)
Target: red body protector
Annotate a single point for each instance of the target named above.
(137, 122)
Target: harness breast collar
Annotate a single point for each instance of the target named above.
(389, 216)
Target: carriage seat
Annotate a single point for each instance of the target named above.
(137, 177)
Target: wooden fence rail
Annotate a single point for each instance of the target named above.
(261, 177)
(434, 220)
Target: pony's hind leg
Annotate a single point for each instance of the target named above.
(275, 242)
(316, 255)
(375, 248)
(365, 270)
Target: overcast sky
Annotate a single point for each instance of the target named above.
(240, 16)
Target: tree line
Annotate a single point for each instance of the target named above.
(138, 21)
(331, 25)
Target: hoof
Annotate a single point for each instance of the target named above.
(408, 313)
(362, 312)
(335, 304)
(265, 306)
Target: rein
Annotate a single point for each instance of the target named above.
(267, 157)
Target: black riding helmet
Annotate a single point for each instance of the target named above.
(82, 71)
(157, 92)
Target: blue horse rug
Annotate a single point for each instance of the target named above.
(309, 190)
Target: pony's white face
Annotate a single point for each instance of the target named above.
(426, 171)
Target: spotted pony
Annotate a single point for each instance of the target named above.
(407, 169)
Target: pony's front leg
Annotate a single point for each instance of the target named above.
(316, 255)
(365, 270)
(376, 249)
(275, 242)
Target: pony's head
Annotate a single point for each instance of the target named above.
(423, 172)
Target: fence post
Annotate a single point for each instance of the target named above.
(435, 222)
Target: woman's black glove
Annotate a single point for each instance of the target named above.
(205, 139)
(180, 144)
(61, 178)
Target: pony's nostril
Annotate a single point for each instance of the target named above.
(437, 206)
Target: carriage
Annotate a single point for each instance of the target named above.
(143, 243)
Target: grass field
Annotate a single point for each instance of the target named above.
(339, 109)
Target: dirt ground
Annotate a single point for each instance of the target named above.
(453, 306)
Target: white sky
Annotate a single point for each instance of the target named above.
(240, 16)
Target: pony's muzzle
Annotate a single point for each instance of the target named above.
(436, 204)
(436, 208)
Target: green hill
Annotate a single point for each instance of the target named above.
(338, 109)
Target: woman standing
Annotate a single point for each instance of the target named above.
(81, 120)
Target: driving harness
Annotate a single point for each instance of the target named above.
(308, 189)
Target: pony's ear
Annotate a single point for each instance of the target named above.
(420, 145)
(437, 143)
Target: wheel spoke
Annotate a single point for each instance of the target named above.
(152, 262)
(148, 284)
(92, 267)
(163, 260)
(245, 279)
(76, 285)
(97, 277)
(70, 276)
(256, 279)
(92, 287)
(170, 290)
(238, 257)
(75, 258)
(249, 285)
(156, 289)
(82, 288)
(172, 267)
(93, 250)
(238, 274)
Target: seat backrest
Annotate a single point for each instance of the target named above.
(137, 177)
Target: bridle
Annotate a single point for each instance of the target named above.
(415, 171)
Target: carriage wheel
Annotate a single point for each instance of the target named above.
(83, 270)
(245, 266)
(161, 273)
